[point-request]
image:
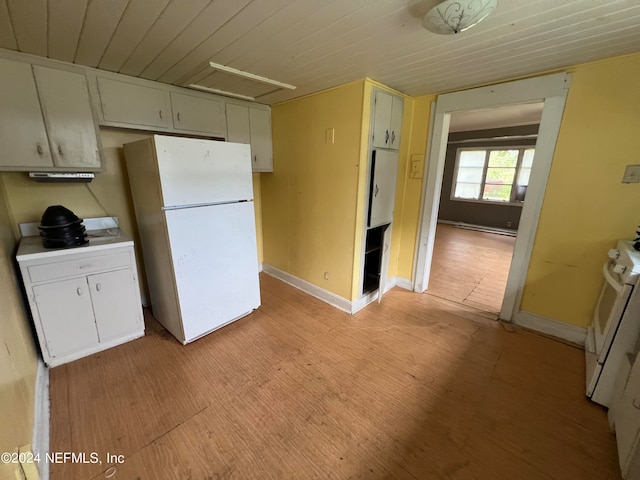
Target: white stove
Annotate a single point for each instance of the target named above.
(616, 322)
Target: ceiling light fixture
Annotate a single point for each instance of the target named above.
(250, 76)
(455, 16)
(221, 92)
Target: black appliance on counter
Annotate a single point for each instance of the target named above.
(61, 228)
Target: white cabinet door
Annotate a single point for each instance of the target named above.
(198, 114)
(261, 145)
(384, 262)
(253, 126)
(66, 316)
(238, 126)
(383, 187)
(130, 104)
(22, 131)
(395, 127)
(627, 420)
(68, 117)
(382, 108)
(115, 303)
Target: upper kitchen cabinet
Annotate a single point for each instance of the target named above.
(387, 120)
(252, 125)
(132, 105)
(46, 119)
(198, 114)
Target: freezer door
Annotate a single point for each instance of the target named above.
(215, 265)
(201, 172)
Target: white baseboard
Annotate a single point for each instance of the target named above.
(403, 283)
(363, 301)
(308, 287)
(40, 440)
(564, 331)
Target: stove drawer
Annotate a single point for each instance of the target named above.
(78, 266)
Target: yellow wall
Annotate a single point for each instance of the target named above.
(18, 357)
(310, 201)
(586, 207)
(405, 227)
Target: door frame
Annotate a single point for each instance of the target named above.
(550, 89)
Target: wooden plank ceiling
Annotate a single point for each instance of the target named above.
(316, 44)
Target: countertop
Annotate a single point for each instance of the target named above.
(31, 248)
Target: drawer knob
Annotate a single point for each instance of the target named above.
(79, 290)
(98, 287)
(636, 403)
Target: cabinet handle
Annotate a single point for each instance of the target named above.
(636, 403)
(255, 158)
(79, 290)
(179, 117)
(160, 113)
(393, 137)
(60, 150)
(386, 137)
(39, 149)
(86, 265)
(376, 191)
(98, 287)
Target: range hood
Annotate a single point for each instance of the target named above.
(58, 177)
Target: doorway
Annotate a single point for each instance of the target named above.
(488, 161)
(552, 91)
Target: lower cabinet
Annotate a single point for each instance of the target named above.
(83, 305)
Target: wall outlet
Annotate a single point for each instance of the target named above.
(631, 174)
(326, 275)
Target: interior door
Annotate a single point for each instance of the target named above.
(215, 264)
(383, 187)
(384, 262)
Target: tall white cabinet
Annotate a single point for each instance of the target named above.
(384, 142)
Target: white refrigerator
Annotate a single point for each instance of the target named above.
(194, 207)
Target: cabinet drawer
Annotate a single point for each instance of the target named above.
(83, 266)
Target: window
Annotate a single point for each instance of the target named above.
(492, 174)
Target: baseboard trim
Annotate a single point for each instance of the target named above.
(548, 326)
(403, 283)
(308, 287)
(363, 301)
(42, 413)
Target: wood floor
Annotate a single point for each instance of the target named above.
(470, 267)
(414, 388)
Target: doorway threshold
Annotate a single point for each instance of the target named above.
(481, 228)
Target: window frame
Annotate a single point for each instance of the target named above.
(512, 202)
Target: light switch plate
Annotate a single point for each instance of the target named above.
(631, 174)
(330, 135)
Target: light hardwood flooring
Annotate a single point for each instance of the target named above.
(414, 388)
(470, 267)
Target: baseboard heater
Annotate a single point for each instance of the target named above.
(59, 177)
